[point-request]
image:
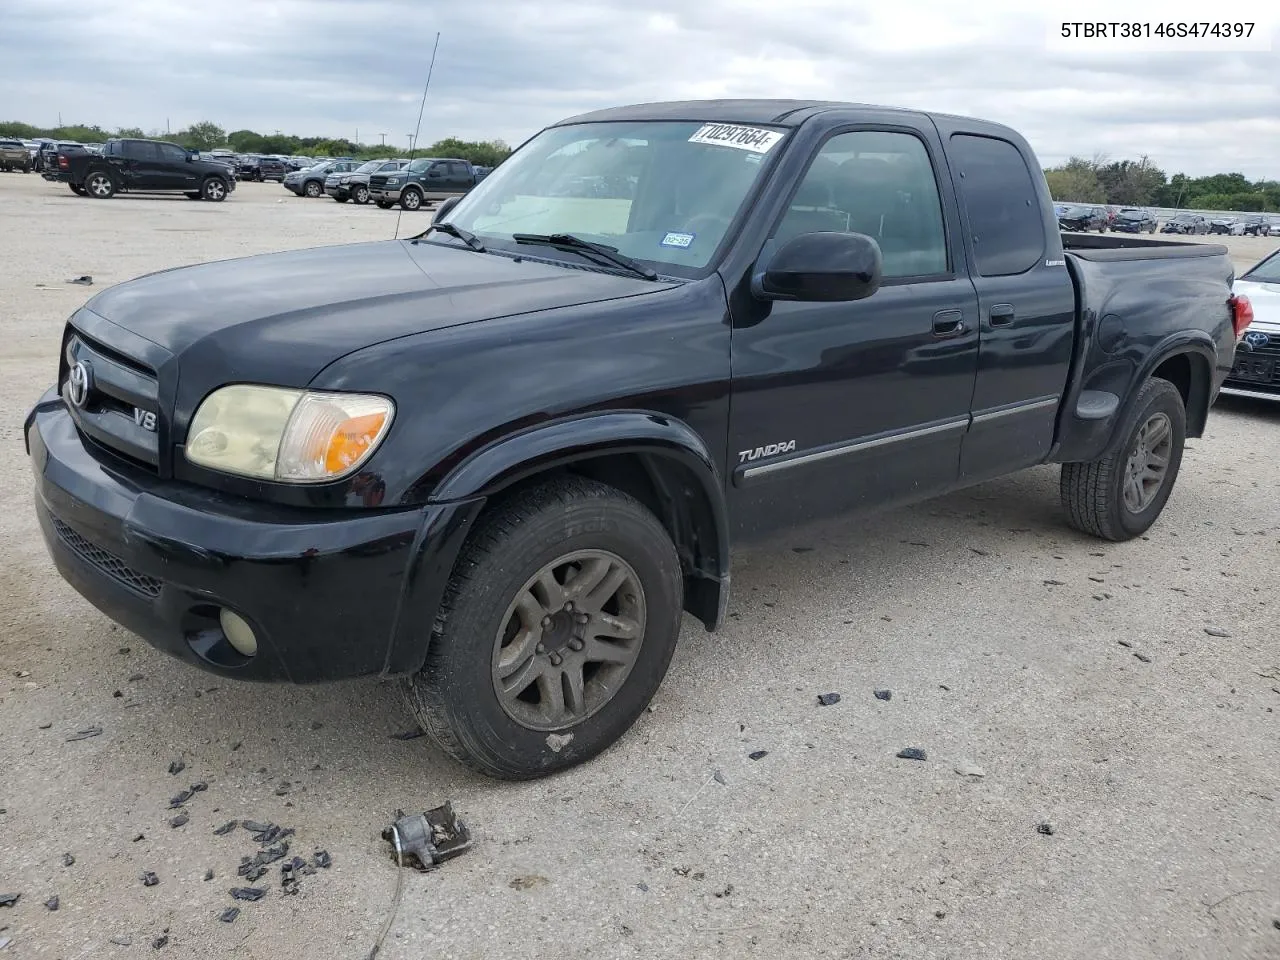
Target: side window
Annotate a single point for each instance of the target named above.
(877, 183)
(388, 167)
(999, 196)
(457, 169)
(140, 150)
(170, 153)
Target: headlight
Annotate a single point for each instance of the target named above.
(345, 180)
(293, 436)
(392, 181)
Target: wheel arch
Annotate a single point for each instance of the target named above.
(658, 459)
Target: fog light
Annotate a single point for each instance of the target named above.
(239, 633)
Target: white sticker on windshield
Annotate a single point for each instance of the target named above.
(755, 139)
(677, 240)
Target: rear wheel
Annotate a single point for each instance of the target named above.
(313, 189)
(555, 631)
(410, 198)
(1120, 496)
(100, 186)
(213, 190)
(360, 194)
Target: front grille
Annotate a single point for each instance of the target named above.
(1268, 353)
(121, 402)
(107, 562)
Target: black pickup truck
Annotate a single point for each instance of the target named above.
(423, 180)
(500, 458)
(145, 166)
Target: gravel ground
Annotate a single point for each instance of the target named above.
(1079, 678)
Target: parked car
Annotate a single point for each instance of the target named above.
(51, 151)
(1256, 370)
(1186, 223)
(145, 166)
(354, 186)
(271, 168)
(423, 180)
(1256, 226)
(248, 166)
(14, 155)
(1222, 225)
(501, 458)
(309, 182)
(1083, 218)
(1133, 220)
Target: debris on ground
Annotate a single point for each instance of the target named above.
(52, 903)
(160, 942)
(46, 726)
(181, 820)
(409, 735)
(68, 860)
(266, 833)
(289, 877)
(120, 942)
(757, 754)
(1125, 643)
(526, 883)
(141, 836)
(718, 777)
(970, 770)
(83, 280)
(1142, 656)
(250, 894)
(883, 695)
(226, 828)
(431, 837)
(176, 767)
(9, 899)
(1216, 632)
(149, 879)
(828, 699)
(322, 860)
(179, 799)
(229, 915)
(208, 875)
(912, 753)
(1045, 828)
(85, 734)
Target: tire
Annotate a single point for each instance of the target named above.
(360, 195)
(99, 185)
(213, 190)
(1094, 494)
(410, 198)
(554, 526)
(312, 189)
(76, 189)
(383, 204)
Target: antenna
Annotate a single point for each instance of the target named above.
(416, 130)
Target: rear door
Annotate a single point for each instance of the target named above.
(460, 179)
(1026, 302)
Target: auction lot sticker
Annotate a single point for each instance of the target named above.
(755, 139)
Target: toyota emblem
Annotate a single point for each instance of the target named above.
(78, 383)
(1256, 338)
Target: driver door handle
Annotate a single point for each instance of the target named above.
(1002, 315)
(948, 323)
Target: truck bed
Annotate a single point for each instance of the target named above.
(1100, 247)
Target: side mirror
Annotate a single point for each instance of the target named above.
(444, 208)
(821, 267)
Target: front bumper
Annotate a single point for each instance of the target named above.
(294, 187)
(385, 194)
(328, 597)
(339, 191)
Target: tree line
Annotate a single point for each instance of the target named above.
(1130, 183)
(209, 136)
(1140, 183)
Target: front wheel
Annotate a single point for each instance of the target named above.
(360, 194)
(554, 633)
(213, 190)
(1120, 496)
(313, 189)
(100, 186)
(410, 199)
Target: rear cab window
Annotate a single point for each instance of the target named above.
(999, 196)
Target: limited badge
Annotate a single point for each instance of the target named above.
(755, 139)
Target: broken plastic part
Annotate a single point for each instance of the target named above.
(176, 767)
(226, 828)
(229, 915)
(322, 860)
(149, 879)
(248, 893)
(431, 838)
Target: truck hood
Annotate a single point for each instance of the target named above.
(281, 318)
(1265, 298)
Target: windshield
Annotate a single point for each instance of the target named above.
(369, 166)
(659, 191)
(1077, 212)
(420, 165)
(1131, 214)
(1268, 271)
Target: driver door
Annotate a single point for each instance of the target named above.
(846, 406)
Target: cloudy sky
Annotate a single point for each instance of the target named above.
(507, 67)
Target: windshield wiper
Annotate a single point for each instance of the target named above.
(567, 241)
(466, 236)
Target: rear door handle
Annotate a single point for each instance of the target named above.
(948, 323)
(1002, 314)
